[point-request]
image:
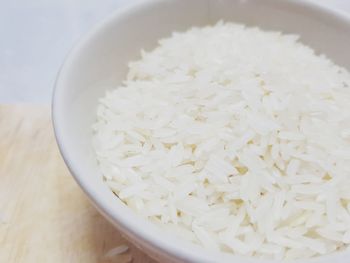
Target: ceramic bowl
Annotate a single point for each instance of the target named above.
(100, 61)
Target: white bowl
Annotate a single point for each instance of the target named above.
(100, 60)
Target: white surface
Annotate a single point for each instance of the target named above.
(36, 35)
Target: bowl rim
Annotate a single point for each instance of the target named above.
(133, 224)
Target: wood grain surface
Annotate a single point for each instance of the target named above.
(44, 216)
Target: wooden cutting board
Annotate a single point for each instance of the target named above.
(44, 216)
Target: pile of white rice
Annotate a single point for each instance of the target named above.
(234, 138)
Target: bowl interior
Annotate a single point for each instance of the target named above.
(100, 61)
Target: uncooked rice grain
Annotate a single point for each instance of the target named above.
(233, 138)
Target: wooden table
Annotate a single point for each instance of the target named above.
(44, 216)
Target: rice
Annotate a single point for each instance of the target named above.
(233, 138)
(118, 254)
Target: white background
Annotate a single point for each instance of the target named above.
(35, 36)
